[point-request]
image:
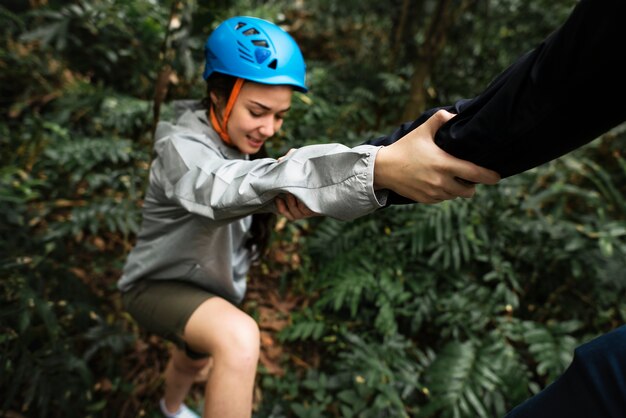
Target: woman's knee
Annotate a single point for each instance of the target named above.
(240, 344)
(230, 335)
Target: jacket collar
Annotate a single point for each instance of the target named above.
(197, 121)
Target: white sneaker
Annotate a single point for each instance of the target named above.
(183, 411)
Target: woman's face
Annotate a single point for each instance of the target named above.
(257, 115)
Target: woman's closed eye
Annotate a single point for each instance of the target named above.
(260, 114)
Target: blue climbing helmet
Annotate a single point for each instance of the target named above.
(256, 50)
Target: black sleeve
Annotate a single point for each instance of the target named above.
(558, 97)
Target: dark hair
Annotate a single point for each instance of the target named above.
(262, 223)
(221, 85)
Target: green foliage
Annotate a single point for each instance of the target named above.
(115, 42)
(370, 380)
(488, 296)
(61, 213)
(489, 35)
(73, 171)
(461, 309)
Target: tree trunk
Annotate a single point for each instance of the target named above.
(417, 96)
(410, 17)
(443, 18)
(398, 34)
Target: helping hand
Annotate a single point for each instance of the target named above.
(415, 167)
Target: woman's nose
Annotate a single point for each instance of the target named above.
(269, 126)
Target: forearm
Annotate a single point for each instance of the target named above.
(330, 179)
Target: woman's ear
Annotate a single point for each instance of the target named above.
(216, 101)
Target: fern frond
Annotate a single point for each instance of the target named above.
(551, 345)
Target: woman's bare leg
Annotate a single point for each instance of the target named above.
(232, 338)
(180, 374)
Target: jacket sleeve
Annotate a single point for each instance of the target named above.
(558, 97)
(330, 179)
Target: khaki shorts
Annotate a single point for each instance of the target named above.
(163, 307)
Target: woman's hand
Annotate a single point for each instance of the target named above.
(415, 167)
(292, 208)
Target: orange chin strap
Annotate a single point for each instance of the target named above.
(221, 128)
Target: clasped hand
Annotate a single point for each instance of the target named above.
(416, 168)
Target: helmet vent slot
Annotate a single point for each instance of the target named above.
(243, 57)
(239, 25)
(242, 46)
(273, 64)
(260, 42)
(251, 31)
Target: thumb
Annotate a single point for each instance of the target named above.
(437, 120)
(291, 151)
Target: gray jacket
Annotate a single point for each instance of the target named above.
(201, 193)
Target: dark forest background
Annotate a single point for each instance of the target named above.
(461, 309)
